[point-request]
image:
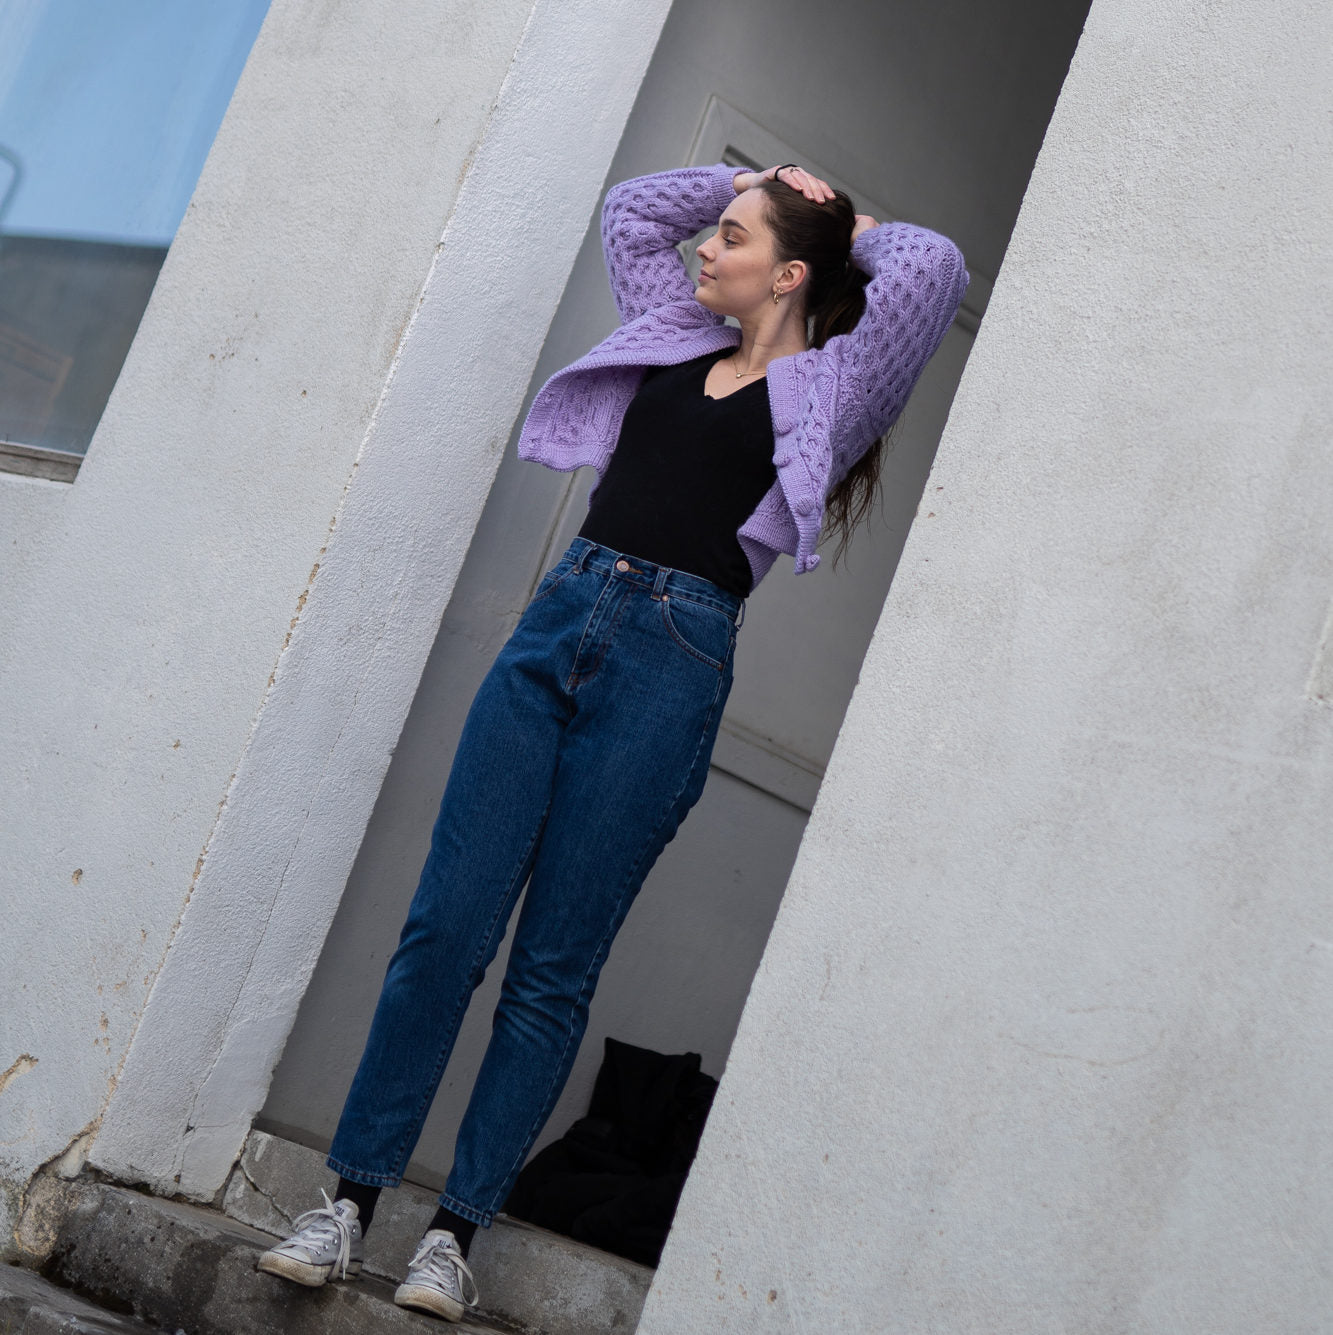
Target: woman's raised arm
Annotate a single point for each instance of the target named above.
(642, 221)
(917, 280)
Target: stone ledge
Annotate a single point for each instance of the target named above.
(182, 1267)
(540, 1282)
(31, 1305)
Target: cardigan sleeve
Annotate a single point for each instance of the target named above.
(643, 219)
(917, 280)
(831, 403)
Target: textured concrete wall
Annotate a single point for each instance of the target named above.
(1040, 1041)
(283, 846)
(145, 606)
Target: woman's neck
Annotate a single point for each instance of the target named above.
(767, 338)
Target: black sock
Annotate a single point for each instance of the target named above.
(461, 1228)
(364, 1198)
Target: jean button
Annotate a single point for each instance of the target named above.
(622, 566)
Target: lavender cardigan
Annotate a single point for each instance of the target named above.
(829, 404)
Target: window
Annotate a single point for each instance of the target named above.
(107, 112)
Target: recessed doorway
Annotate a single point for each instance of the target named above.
(929, 113)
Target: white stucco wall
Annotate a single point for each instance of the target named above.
(276, 863)
(1039, 1043)
(154, 597)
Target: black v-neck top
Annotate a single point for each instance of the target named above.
(686, 473)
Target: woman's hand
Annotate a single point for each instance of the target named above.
(815, 190)
(864, 222)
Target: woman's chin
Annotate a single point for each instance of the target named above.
(706, 295)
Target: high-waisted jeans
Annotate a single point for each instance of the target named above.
(585, 747)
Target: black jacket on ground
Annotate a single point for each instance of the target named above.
(614, 1179)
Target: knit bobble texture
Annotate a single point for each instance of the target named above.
(829, 404)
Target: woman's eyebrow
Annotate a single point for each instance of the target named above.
(731, 222)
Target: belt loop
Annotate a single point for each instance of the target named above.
(741, 621)
(660, 583)
(583, 556)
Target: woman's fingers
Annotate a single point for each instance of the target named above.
(814, 189)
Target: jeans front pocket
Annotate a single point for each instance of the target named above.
(701, 630)
(553, 578)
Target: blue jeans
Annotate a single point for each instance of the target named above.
(585, 747)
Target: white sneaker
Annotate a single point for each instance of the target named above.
(438, 1280)
(325, 1246)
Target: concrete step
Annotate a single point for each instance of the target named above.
(31, 1305)
(185, 1269)
(537, 1281)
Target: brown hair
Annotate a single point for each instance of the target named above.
(821, 236)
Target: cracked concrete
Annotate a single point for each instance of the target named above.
(44, 1201)
(31, 1305)
(180, 1267)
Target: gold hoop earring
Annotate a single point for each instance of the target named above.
(777, 295)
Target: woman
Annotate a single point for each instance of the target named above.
(716, 449)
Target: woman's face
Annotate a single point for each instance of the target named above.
(739, 268)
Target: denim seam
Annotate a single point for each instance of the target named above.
(732, 605)
(504, 907)
(360, 1175)
(482, 1217)
(574, 676)
(632, 878)
(704, 602)
(621, 608)
(605, 636)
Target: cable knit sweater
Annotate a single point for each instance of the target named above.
(828, 404)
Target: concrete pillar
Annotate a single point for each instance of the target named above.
(1040, 1040)
(335, 426)
(144, 607)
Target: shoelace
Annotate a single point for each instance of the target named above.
(322, 1225)
(432, 1255)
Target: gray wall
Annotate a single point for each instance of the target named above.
(1063, 1062)
(938, 113)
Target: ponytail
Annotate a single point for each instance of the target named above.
(835, 304)
(835, 300)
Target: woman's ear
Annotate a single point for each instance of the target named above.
(792, 274)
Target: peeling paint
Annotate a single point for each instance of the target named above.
(69, 1164)
(1320, 685)
(305, 593)
(41, 1205)
(20, 1066)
